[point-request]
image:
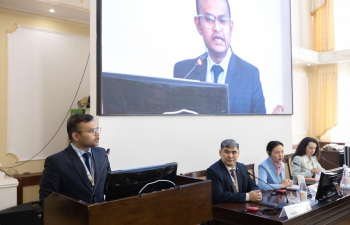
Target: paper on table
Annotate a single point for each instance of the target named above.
(294, 187)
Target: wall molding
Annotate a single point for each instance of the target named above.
(308, 56)
(67, 5)
(43, 17)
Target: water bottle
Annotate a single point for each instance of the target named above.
(303, 192)
(345, 181)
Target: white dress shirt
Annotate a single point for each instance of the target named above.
(224, 65)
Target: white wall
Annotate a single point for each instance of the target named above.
(301, 23)
(45, 69)
(300, 118)
(193, 142)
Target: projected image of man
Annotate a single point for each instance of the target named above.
(213, 22)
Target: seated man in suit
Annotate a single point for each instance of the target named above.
(229, 178)
(213, 22)
(74, 171)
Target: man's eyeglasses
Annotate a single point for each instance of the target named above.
(209, 21)
(92, 131)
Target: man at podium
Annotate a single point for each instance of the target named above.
(229, 178)
(75, 170)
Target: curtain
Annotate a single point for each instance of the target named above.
(323, 25)
(323, 99)
(316, 4)
(323, 79)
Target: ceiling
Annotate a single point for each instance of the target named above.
(68, 10)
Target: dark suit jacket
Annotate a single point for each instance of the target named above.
(222, 185)
(65, 173)
(243, 79)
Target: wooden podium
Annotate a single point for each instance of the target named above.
(191, 203)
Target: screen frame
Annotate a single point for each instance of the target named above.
(142, 170)
(99, 74)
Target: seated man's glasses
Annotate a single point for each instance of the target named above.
(92, 131)
(209, 21)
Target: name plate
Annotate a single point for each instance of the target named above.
(294, 210)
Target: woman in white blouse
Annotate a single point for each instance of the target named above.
(306, 155)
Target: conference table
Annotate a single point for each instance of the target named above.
(333, 210)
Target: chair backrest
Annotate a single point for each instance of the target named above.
(288, 166)
(201, 174)
(250, 168)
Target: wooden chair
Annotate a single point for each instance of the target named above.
(201, 174)
(288, 166)
(250, 168)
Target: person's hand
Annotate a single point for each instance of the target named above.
(286, 183)
(314, 170)
(279, 109)
(255, 196)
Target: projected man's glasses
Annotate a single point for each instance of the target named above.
(209, 21)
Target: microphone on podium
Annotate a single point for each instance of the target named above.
(199, 62)
(279, 206)
(94, 188)
(330, 162)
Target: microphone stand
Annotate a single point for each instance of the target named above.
(303, 167)
(279, 206)
(94, 188)
(330, 162)
(199, 62)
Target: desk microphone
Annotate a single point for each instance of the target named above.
(329, 162)
(303, 167)
(94, 188)
(279, 206)
(199, 62)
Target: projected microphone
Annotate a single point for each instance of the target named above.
(94, 188)
(199, 62)
(329, 162)
(279, 206)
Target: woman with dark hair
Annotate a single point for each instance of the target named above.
(272, 169)
(306, 155)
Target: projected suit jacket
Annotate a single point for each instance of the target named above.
(222, 185)
(243, 79)
(65, 173)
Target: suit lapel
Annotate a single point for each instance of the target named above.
(239, 178)
(273, 171)
(232, 77)
(78, 164)
(283, 174)
(226, 174)
(97, 164)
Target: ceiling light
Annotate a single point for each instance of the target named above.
(308, 64)
(297, 62)
(51, 10)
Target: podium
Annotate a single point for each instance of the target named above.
(189, 203)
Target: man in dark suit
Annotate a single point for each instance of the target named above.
(74, 171)
(222, 65)
(229, 178)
